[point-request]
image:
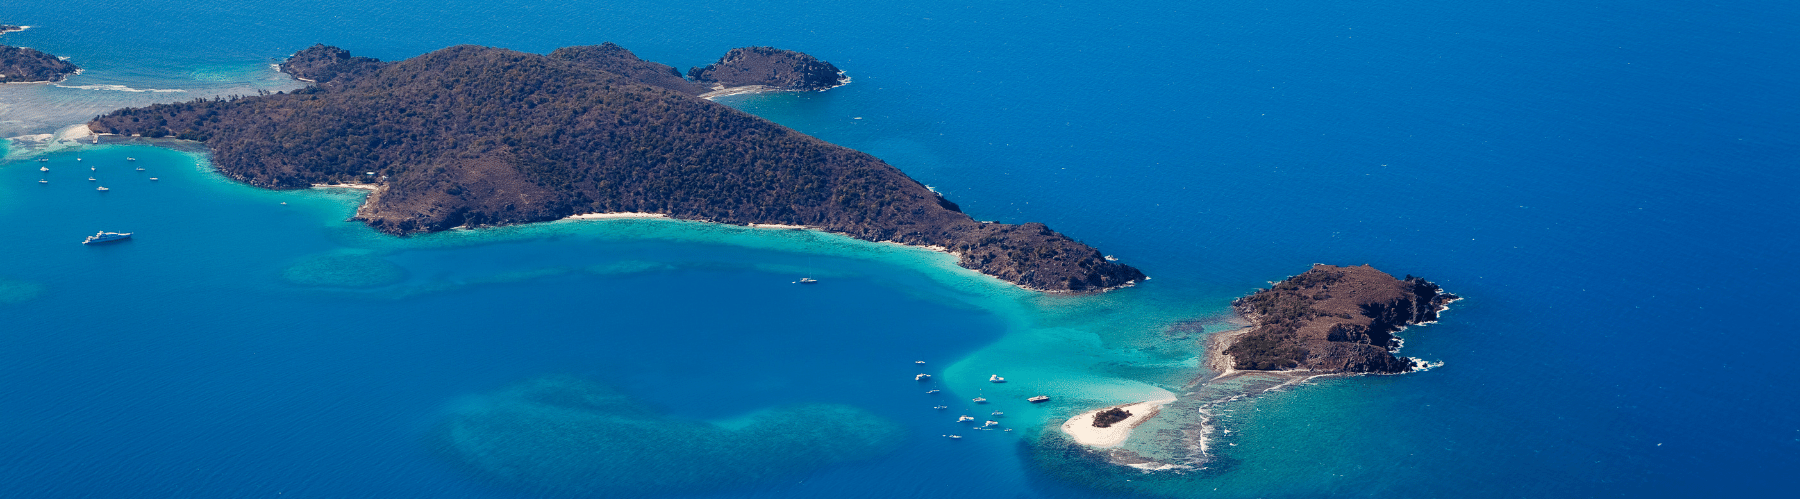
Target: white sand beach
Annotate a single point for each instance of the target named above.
(610, 216)
(366, 187)
(1081, 427)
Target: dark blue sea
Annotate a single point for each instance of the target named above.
(1610, 185)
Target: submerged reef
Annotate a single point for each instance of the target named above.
(343, 271)
(1329, 320)
(564, 435)
(15, 291)
(472, 136)
(25, 65)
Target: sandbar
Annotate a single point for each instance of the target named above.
(1081, 427)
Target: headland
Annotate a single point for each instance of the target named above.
(26, 65)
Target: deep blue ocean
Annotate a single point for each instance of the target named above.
(1611, 186)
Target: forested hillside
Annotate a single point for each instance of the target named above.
(476, 136)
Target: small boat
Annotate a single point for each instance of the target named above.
(129, 158)
(978, 400)
(954, 437)
(1039, 398)
(915, 362)
(77, 159)
(152, 178)
(995, 378)
(284, 203)
(1111, 258)
(43, 160)
(989, 423)
(106, 237)
(922, 377)
(1008, 429)
(102, 189)
(43, 181)
(140, 168)
(940, 407)
(90, 179)
(933, 391)
(964, 418)
(997, 414)
(43, 168)
(808, 280)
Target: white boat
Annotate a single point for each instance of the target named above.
(43, 168)
(140, 168)
(152, 178)
(102, 189)
(978, 400)
(90, 179)
(43, 160)
(964, 418)
(128, 158)
(106, 237)
(1111, 258)
(997, 414)
(922, 377)
(989, 423)
(77, 159)
(995, 378)
(1039, 398)
(42, 181)
(808, 280)
(933, 391)
(953, 437)
(918, 362)
(940, 407)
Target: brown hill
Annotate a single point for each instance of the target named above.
(1333, 319)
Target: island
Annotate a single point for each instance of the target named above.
(1328, 320)
(471, 136)
(26, 65)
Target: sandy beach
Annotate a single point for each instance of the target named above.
(1081, 427)
(611, 216)
(746, 89)
(366, 187)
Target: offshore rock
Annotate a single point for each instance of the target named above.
(769, 67)
(25, 65)
(1333, 319)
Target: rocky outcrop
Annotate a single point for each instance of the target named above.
(1332, 319)
(22, 65)
(329, 66)
(769, 67)
(474, 136)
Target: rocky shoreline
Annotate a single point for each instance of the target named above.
(1328, 320)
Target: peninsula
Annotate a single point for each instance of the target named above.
(26, 65)
(472, 136)
(1328, 320)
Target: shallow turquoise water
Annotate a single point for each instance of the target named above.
(1609, 185)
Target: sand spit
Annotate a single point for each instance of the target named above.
(1081, 427)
